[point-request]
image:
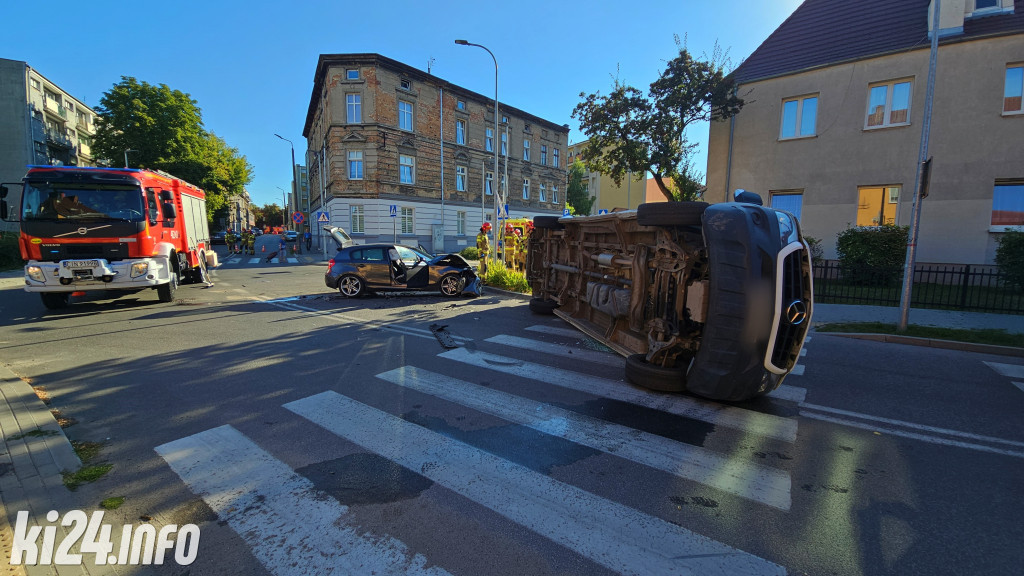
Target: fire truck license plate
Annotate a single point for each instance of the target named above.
(81, 263)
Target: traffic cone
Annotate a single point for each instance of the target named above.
(264, 248)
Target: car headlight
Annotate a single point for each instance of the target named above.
(35, 273)
(139, 269)
(789, 230)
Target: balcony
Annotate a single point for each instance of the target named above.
(58, 139)
(56, 108)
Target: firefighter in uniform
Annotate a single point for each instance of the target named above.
(250, 242)
(229, 238)
(484, 247)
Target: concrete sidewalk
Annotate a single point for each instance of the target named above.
(836, 313)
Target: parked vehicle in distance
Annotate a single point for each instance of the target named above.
(218, 238)
(715, 299)
(257, 232)
(290, 235)
(358, 269)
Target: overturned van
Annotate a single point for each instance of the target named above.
(714, 300)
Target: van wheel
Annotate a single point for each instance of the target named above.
(670, 213)
(654, 377)
(542, 306)
(54, 300)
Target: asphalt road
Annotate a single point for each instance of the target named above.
(305, 433)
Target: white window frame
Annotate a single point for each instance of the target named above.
(409, 113)
(542, 194)
(357, 219)
(526, 150)
(460, 132)
(890, 88)
(798, 119)
(773, 194)
(406, 163)
(543, 155)
(407, 223)
(354, 108)
(355, 158)
(460, 223)
(489, 140)
(504, 144)
(489, 184)
(460, 104)
(460, 178)
(352, 74)
(554, 158)
(1006, 87)
(1004, 227)
(554, 193)
(526, 188)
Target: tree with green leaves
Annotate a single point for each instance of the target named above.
(576, 195)
(630, 132)
(163, 130)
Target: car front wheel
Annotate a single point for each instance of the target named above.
(351, 286)
(452, 285)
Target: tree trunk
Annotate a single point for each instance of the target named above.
(663, 187)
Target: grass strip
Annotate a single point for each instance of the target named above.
(995, 337)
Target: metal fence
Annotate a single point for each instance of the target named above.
(968, 287)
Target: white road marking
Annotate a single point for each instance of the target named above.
(567, 332)
(618, 537)
(293, 260)
(561, 350)
(791, 393)
(254, 260)
(289, 526)
(798, 370)
(1008, 370)
(746, 480)
(706, 411)
(912, 435)
(803, 352)
(1019, 385)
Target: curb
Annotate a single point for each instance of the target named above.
(933, 343)
(506, 293)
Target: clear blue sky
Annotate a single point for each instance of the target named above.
(250, 63)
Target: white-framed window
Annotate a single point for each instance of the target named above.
(889, 104)
(488, 180)
(543, 155)
(352, 74)
(406, 169)
(406, 84)
(554, 193)
(526, 188)
(355, 164)
(875, 206)
(357, 221)
(408, 221)
(554, 158)
(460, 223)
(504, 144)
(504, 119)
(799, 117)
(489, 140)
(354, 108)
(542, 195)
(460, 178)
(1014, 89)
(460, 132)
(405, 115)
(1008, 205)
(791, 201)
(460, 105)
(526, 150)
(983, 4)
(35, 84)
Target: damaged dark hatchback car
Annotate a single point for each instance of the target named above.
(358, 269)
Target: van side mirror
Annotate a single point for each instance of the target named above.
(747, 197)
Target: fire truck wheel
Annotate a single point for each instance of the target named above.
(351, 286)
(54, 300)
(547, 223)
(542, 306)
(165, 292)
(654, 377)
(670, 213)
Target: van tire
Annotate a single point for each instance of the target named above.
(542, 306)
(654, 377)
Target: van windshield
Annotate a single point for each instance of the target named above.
(57, 201)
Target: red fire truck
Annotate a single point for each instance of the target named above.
(108, 229)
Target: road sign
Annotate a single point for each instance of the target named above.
(394, 210)
(322, 217)
(602, 211)
(298, 218)
(565, 211)
(503, 213)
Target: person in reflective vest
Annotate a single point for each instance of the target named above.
(484, 246)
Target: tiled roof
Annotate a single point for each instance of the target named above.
(824, 32)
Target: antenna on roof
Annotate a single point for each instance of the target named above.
(430, 62)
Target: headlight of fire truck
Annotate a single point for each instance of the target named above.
(35, 273)
(139, 269)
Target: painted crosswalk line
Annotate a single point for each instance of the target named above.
(292, 528)
(719, 414)
(583, 354)
(557, 331)
(618, 537)
(1009, 370)
(751, 481)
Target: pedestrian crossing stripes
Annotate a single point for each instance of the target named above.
(291, 528)
(703, 410)
(611, 534)
(256, 260)
(1009, 370)
(754, 482)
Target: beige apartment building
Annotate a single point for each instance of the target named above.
(395, 152)
(40, 123)
(609, 196)
(831, 129)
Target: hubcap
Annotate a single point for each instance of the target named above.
(349, 286)
(449, 285)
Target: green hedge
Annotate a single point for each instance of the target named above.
(10, 257)
(873, 255)
(1010, 257)
(470, 253)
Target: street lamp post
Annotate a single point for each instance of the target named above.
(126, 156)
(495, 144)
(295, 179)
(284, 208)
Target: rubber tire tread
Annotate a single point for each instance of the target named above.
(670, 213)
(542, 306)
(55, 300)
(653, 377)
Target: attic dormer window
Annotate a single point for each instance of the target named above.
(406, 84)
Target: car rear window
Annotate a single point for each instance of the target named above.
(368, 255)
